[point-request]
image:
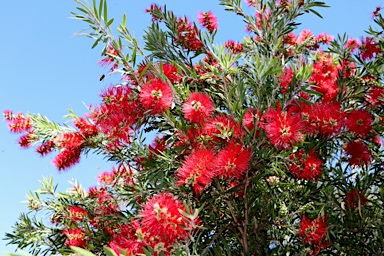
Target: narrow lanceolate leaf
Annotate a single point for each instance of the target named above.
(81, 251)
(124, 21)
(109, 22)
(100, 11)
(105, 11)
(109, 252)
(95, 9)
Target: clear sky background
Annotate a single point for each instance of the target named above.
(45, 69)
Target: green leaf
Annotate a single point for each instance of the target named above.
(105, 11)
(97, 42)
(316, 13)
(100, 8)
(81, 251)
(110, 22)
(109, 251)
(94, 9)
(82, 10)
(124, 22)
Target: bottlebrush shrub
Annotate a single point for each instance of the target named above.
(267, 146)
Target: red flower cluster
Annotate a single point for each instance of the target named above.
(117, 115)
(368, 48)
(285, 79)
(110, 56)
(17, 123)
(251, 118)
(160, 225)
(169, 70)
(355, 198)
(161, 218)
(324, 77)
(232, 161)
(198, 107)
(196, 170)
(375, 96)
(359, 122)
(152, 10)
(208, 20)
(235, 47)
(306, 165)
(26, 140)
(222, 128)
(188, 36)
(86, 128)
(75, 237)
(324, 119)
(283, 128)
(67, 158)
(313, 231)
(359, 153)
(156, 96)
(77, 213)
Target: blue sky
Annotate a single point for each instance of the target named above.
(45, 69)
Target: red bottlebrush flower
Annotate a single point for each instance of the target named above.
(198, 107)
(355, 198)
(106, 178)
(239, 191)
(117, 115)
(261, 18)
(347, 68)
(352, 44)
(67, 158)
(69, 140)
(86, 129)
(208, 20)
(359, 122)
(45, 148)
(376, 12)
(170, 72)
(109, 57)
(313, 231)
(187, 35)
(125, 172)
(251, 118)
(232, 161)
(8, 115)
(368, 48)
(75, 237)
(235, 47)
(285, 79)
(359, 153)
(306, 166)
(156, 96)
(323, 38)
(158, 145)
(153, 9)
(130, 238)
(19, 123)
(290, 39)
(77, 213)
(324, 77)
(282, 128)
(196, 170)
(162, 218)
(324, 119)
(375, 96)
(306, 34)
(251, 3)
(222, 127)
(27, 140)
